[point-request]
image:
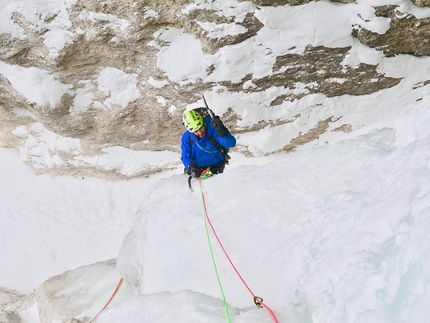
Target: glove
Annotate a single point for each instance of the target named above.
(216, 123)
(219, 126)
(194, 170)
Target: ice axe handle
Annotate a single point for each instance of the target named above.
(207, 107)
(211, 113)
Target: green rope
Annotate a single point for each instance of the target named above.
(212, 255)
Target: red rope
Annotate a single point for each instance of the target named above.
(257, 300)
(110, 299)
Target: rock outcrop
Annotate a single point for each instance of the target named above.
(406, 35)
(11, 303)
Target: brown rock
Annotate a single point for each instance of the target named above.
(407, 34)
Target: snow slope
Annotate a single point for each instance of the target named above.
(336, 231)
(330, 234)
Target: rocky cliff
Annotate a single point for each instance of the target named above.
(79, 56)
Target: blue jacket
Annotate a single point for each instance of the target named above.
(201, 151)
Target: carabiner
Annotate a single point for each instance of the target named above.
(258, 301)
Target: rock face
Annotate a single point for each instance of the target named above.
(123, 40)
(325, 74)
(421, 3)
(291, 2)
(11, 302)
(406, 35)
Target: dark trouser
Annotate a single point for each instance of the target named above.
(214, 170)
(218, 170)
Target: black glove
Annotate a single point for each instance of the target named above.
(219, 126)
(195, 171)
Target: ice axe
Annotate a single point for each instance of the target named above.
(207, 107)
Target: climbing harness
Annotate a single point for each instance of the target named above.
(205, 174)
(110, 299)
(258, 301)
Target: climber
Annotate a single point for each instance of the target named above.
(205, 143)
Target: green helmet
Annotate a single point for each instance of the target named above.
(192, 120)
